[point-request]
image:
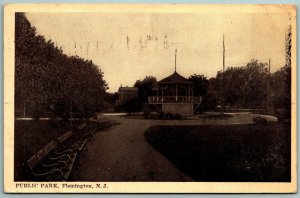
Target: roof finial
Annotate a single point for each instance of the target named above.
(175, 58)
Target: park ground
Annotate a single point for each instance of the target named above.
(138, 149)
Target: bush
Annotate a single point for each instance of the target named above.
(132, 105)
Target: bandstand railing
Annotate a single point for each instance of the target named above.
(174, 99)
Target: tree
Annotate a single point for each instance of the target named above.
(255, 84)
(288, 46)
(132, 106)
(200, 84)
(280, 83)
(145, 88)
(243, 87)
(280, 86)
(200, 88)
(45, 77)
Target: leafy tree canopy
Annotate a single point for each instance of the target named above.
(45, 77)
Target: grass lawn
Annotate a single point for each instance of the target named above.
(216, 153)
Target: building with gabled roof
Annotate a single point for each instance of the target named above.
(126, 94)
(174, 94)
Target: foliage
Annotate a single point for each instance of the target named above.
(46, 78)
(145, 88)
(246, 86)
(238, 86)
(132, 106)
(201, 86)
(280, 83)
(288, 46)
(112, 97)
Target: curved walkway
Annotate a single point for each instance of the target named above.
(123, 154)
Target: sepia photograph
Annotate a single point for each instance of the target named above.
(150, 97)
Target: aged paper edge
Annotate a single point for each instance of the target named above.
(134, 187)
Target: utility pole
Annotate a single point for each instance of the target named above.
(175, 58)
(175, 71)
(223, 78)
(223, 53)
(268, 88)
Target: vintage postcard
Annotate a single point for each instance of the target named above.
(160, 98)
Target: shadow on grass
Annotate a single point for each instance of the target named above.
(231, 153)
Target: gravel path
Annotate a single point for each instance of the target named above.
(123, 154)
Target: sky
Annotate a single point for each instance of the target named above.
(127, 46)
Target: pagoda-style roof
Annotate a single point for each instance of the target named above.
(175, 78)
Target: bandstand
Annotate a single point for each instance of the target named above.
(174, 94)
